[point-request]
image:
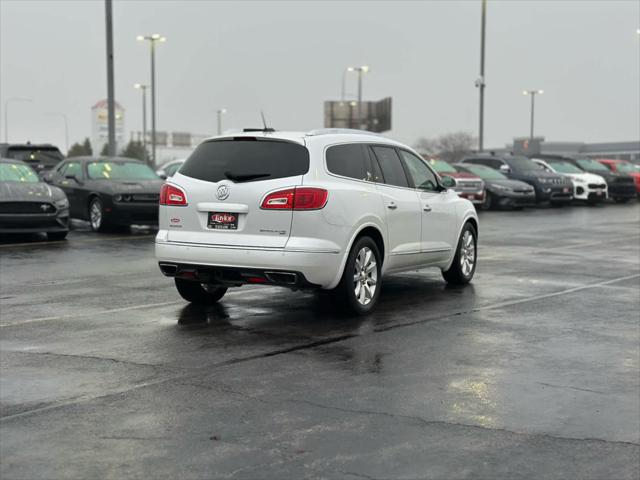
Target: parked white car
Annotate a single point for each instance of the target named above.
(588, 187)
(328, 209)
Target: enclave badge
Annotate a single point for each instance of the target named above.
(223, 192)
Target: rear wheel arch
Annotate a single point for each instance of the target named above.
(373, 233)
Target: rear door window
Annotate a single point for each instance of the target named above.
(246, 159)
(391, 166)
(348, 161)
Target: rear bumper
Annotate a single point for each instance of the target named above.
(312, 268)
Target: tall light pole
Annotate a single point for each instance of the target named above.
(220, 112)
(143, 89)
(6, 114)
(361, 71)
(111, 108)
(152, 39)
(344, 82)
(66, 126)
(533, 94)
(480, 82)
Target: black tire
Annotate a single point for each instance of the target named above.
(346, 289)
(195, 292)
(457, 273)
(557, 204)
(489, 201)
(621, 199)
(56, 236)
(101, 224)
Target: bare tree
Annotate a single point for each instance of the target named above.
(450, 147)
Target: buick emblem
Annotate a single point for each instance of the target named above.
(223, 192)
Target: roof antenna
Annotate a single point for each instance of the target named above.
(264, 122)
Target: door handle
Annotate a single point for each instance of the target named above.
(426, 208)
(392, 206)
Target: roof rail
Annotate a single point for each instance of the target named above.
(329, 131)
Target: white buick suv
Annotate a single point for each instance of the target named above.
(328, 209)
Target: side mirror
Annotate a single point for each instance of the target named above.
(448, 182)
(505, 168)
(162, 174)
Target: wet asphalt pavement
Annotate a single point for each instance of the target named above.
(530, 372)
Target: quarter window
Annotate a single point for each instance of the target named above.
(348, 161)
(391, 166)
(423, 177)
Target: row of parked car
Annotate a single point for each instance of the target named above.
(40, 190)
(499, 181)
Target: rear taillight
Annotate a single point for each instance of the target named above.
(297, 198)
(172, 195)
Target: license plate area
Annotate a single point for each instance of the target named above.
(222, 220)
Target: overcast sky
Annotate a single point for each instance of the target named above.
(286, 58)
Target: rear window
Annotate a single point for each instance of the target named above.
(44, 155)
(246, 160)
(348, 161)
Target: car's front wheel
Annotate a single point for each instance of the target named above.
(199, 293)
(464, 263)
(96, 215)
(359, 287)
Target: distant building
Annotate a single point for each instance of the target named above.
(100, 126)
(616, 150)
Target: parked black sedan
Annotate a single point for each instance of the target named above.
(109, 191)
(549, 187)
(500, 191)
(27, 205)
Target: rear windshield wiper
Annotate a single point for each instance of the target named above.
(245, 177)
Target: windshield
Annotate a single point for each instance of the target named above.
(589, 164)
(485, 173)
(565, 167)
(627, 168)
(120, 171)
(12, 172)
(441, 166)
(523, 164)
(246, 159)
(50, 155)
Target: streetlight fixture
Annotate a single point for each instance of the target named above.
(143, 89)
(66, 126)
(153, 39)
(533, 94)
(220, 112)
(344, 81)
(6, 113)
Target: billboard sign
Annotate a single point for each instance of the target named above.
(376, 116)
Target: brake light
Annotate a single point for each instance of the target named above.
(297, 198)
(172, 195)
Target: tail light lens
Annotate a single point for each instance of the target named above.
(172, 195)
(298, 198)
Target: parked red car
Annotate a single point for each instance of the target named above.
(623, 166)
(468, 185)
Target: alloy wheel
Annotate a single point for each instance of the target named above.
(95, 214)
(467, 253)
(365, 277)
